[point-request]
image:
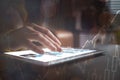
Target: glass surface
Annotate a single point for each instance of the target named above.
(90, 22)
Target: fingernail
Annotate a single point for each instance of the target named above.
(59, 49)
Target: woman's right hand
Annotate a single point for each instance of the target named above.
(24, 37)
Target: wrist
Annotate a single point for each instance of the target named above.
(5, 41)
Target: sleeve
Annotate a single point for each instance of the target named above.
(12, 14)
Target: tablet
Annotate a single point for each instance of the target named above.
(51, 57)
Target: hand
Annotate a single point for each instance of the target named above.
(25, 36)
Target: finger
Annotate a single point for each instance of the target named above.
(33, 35)
(54, 43)
(33, 47)
(47, 43)
(46, 32)
(44, 40)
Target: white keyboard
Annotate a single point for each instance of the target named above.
(51, 57)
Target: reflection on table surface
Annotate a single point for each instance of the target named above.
(106, 67)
